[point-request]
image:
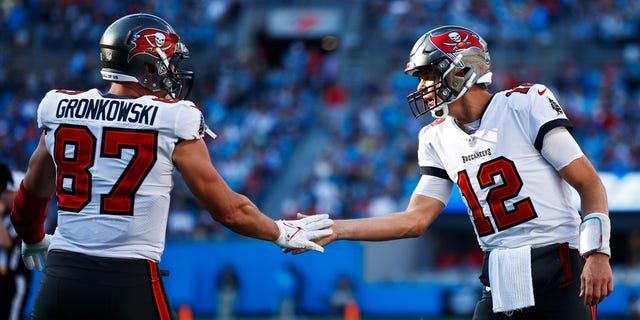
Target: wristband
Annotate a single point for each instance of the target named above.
(595, 232)
(28, 215)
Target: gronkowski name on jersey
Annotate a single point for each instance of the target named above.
(513, 195)
(114, 168)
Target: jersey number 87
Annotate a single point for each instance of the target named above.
(75, 152)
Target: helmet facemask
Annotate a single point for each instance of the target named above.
(165, 75)
(440, 71)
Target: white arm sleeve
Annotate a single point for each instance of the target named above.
(559, 148)
(434, 187)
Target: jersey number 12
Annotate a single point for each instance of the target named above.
(497, 195)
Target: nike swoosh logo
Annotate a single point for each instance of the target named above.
(541, 92)
(295, 233)
(291, 236)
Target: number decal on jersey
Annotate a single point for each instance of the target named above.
(482, 223)
(523, 88)
(497, 196)
(144, 144)
(75, 152)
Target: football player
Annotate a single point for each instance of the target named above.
(15, 277)
(514, 160)
(109, 158)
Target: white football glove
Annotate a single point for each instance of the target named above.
(32, 253)
(297, 234)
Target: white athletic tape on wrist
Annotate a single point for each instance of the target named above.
(595, 232)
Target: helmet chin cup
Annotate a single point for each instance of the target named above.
(440, 111)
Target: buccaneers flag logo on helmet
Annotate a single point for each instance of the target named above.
(455, 41)
(148, 41)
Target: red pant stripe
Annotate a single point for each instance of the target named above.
(158, 292)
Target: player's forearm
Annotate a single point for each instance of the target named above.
(253, 223)
(381, 228)
(244, 217)
(593, 197)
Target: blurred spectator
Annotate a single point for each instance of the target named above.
(634, 248)
(182, 219)
(342, 296)
(228, 286)
(634, 307)
(15, 278)
(290, 287)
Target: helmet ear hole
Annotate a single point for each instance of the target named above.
(150, 68)
(463, 72)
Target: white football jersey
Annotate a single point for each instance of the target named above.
(513, 195)
(113, 168)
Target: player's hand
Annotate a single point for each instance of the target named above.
(323, 241)
(297, 234)
(596, 279)
(33, 253)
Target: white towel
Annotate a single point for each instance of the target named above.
(510, 279)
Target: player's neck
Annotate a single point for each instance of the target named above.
(470, 107)
(129, 89)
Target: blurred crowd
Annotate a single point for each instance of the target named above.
(262, 107)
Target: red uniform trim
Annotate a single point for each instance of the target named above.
(158, 293)
(565, 260)
(28, 215)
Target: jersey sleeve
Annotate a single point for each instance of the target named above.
(428, 160)
(189, 124)
(45, 111)
(433, 187)
(545, 114)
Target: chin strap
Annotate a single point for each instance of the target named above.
(441, 111)
(485, 78)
